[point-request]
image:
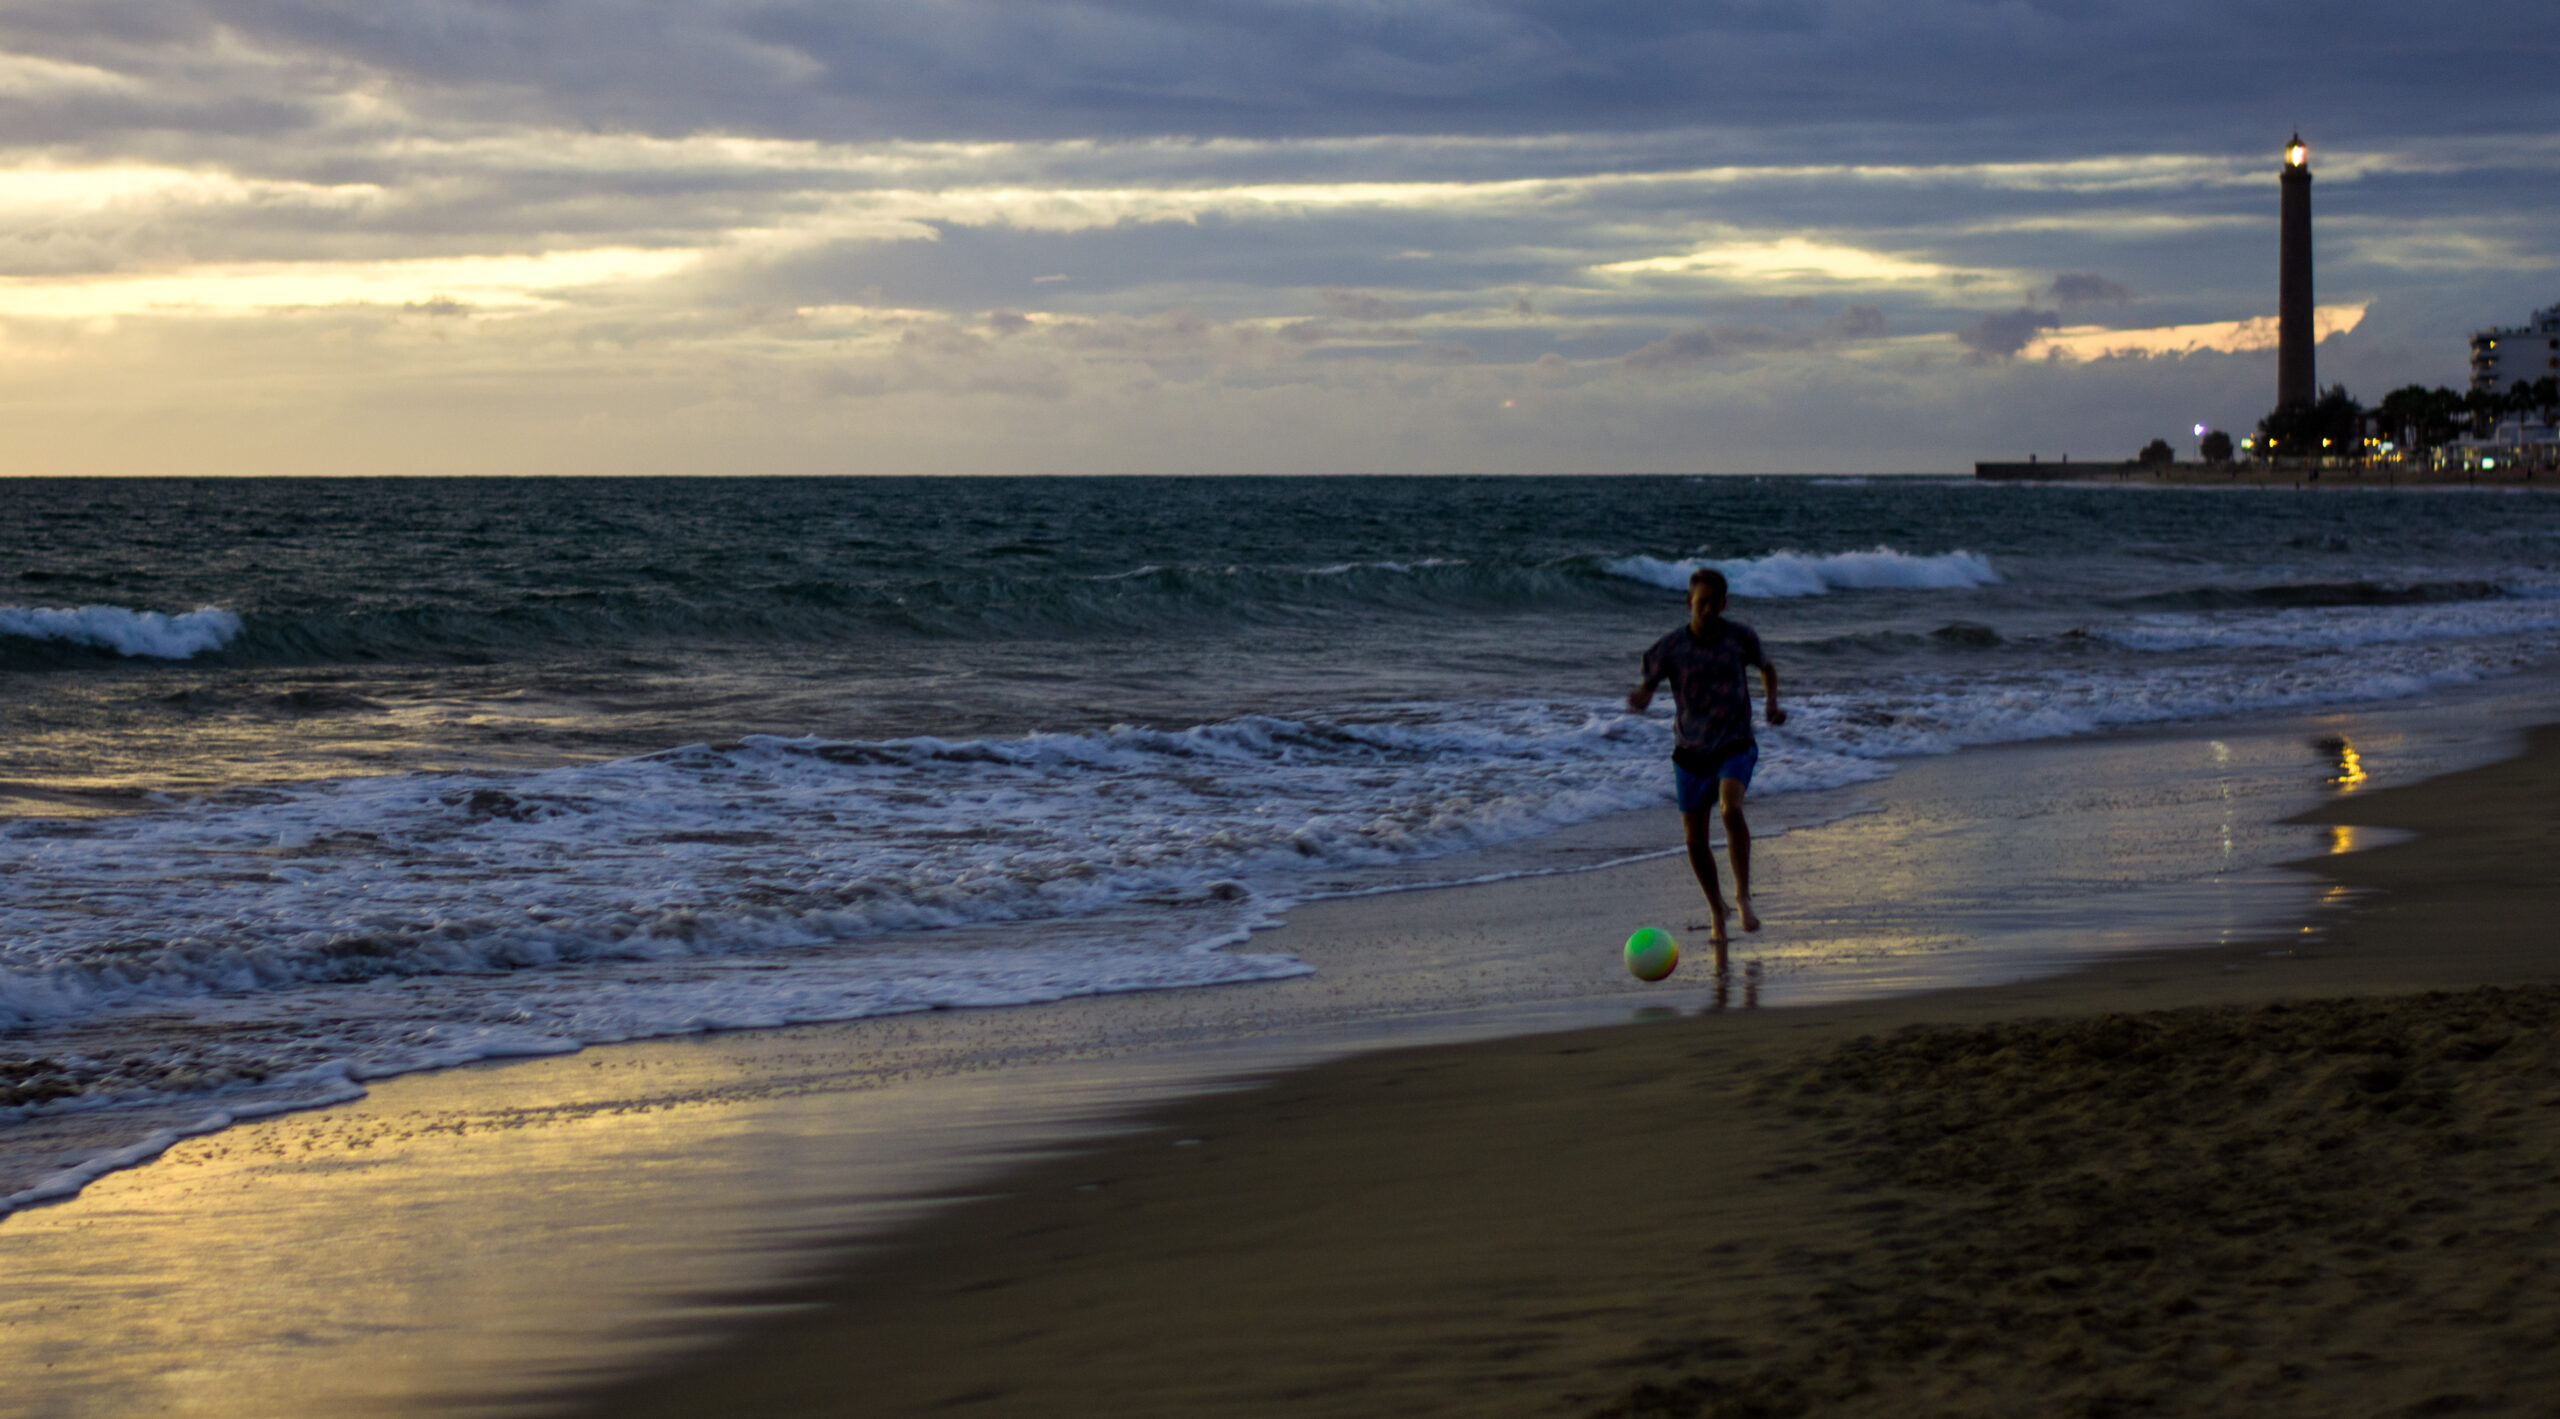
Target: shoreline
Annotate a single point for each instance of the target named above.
(112, 1139)
(1628, 1220)
(765, 1143)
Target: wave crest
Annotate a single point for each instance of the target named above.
(155, 635)
(1789, 574)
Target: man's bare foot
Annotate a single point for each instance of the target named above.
(1750, 922)
(1715, 930)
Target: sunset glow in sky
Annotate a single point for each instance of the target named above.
(812, 236)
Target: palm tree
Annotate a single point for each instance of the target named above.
(2483, 406)
(2331, 428)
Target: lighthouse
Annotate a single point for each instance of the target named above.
(2296, 380)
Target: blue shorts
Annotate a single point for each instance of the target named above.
(1697, 791)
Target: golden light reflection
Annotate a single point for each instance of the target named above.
(2222, 756)
(2090, 342)
(24, 75)
(504, 282)
(478, 1229)
(1787, 257)
(318, 1227)
(2350, 773)
(2342, 839)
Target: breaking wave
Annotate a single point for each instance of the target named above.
(1792, 574)
(155, 635)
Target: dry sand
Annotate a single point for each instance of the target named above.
(2184, 1184)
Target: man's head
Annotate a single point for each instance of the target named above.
(1706, 593)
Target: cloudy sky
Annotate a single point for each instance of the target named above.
(939, 236)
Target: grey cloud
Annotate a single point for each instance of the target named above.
(1278, 262)
(842, 382)
(454, 110)
(1240, 263)
(1199, 342)
(1358, 416)
(449, 69)
(2086, 288)
(1181, 330)
(1698, 346)
(1436, 352)
(2002, 334)
(189, 121)
(1025, 384)
(909, 375)
(1694, 347)
(1360, 305)
(1674, 351)
(944, 340)
(1877, 78)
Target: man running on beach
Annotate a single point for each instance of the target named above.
(1713, 752)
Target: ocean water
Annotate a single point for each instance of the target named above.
(313, 782)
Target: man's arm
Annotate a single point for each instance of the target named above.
(1769, 684)
(1642, 694)
(1654, 670)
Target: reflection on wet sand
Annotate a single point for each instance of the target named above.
(1722, 996)
(446, 1236)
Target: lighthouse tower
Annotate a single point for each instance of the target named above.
(2296, 380)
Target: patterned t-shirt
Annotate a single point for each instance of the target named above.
(1706, 684)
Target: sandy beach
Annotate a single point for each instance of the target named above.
(1002, 1203)
(2318, 1178)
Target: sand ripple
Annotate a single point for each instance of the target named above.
(2333, 1208)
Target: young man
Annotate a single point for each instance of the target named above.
(1713, 752)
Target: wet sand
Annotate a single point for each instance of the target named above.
(2319, 1179)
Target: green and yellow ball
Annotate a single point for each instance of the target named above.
(1652, 954)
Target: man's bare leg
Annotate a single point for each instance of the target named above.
(1702, 861)
(1737, 845)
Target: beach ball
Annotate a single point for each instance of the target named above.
(1651, 953)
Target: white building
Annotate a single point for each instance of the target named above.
(2525, 352)
(2516, 446)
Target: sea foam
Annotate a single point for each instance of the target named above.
(812, 850)
(283, 948)
(152, 634)
(2338, 627)
(1790, 574)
